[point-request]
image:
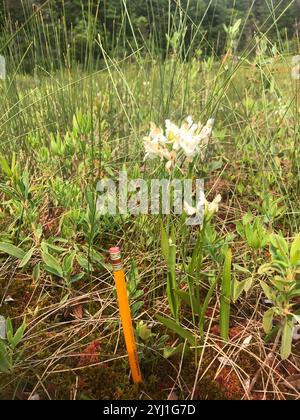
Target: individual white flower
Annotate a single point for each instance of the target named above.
(206, 131)
(169, 165)
(211, 122)
(189, 144)
(189, 210)
(190, 125)
(203, 205)
(192, 211)
(154, 149)
(171, 162)
(172, 131)
(156, 135)
(173, 134)
(191, 139)
(183, 137)
(213, 207)
(151, 148)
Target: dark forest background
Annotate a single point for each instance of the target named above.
(154, 25)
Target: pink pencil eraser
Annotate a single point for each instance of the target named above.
(114, 250)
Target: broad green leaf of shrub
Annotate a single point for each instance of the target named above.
(5, 365)
(295, 251)
(268, 320)
(12, 250)
(36, 272)
(68, 263)
(26, 258)
(281, 244)
(52, 264)
(18, 335)
(287, 339)
(267, 291)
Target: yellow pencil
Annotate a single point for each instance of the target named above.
(115, 256)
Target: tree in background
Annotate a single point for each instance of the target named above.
(155, 25)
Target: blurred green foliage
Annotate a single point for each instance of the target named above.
(72, 28)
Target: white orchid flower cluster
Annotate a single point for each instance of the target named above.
(190, 138)
(203, 207)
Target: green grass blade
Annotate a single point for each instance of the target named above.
(225, 297)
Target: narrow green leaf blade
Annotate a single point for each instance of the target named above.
(225, 297)
(182, 332)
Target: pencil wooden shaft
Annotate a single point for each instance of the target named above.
(127, 325)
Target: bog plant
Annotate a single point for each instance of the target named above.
(281, 287)
(253, 231)
(9, 354)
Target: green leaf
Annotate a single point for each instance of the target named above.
(77, 277)
(237, 289)
(36, 272)
(83, 262)
(180, 331)
(205, 305)
(172, 297)
(248, 284)
(19, 335)
(295, 251)
(55, 248)
(196, 259)
(68, 263)
(281, 244)
(136, 307)
(190, 300)
(9, 332)
(272, 335)
(5, 365)
(265, 269)
(268, 320)
(287, 339)
(242, 269)
(52, 264)
(173, 351)
(164, 243)
(225, 297)
(171, 281)
(5, 166)
(267, 291)
(133, 278)
(12, 250)
(26, 258)
(9, 327)
(10, 192)
(52, 270)
(143, 331)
